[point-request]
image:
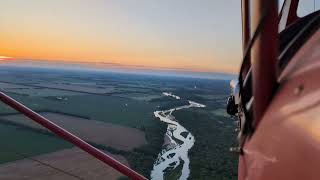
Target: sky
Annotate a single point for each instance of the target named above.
(196, 35)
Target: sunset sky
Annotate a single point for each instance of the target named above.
(202, 35)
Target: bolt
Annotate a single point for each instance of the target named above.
(298, 90)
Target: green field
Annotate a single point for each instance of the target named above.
(122, 111)
(18, 142)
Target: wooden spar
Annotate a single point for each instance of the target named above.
(264, 55)
(245, 15)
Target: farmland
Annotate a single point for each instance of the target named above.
(113, 112)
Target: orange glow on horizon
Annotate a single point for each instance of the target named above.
(5, 58)
(106, 65)
(48, 48)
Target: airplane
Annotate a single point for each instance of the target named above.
(276, 97)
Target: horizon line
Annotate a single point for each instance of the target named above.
(106, 65)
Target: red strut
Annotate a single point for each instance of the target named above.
(70, 137)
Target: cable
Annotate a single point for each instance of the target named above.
(43, 163)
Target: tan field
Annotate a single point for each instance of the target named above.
(119, 137)
(73, 161)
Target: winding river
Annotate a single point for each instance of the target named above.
(180, 140)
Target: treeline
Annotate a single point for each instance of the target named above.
(210, 157)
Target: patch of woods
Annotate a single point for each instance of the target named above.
(210, 157)
(141, 159)
(170, 173)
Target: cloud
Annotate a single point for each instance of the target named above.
(5, 58)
